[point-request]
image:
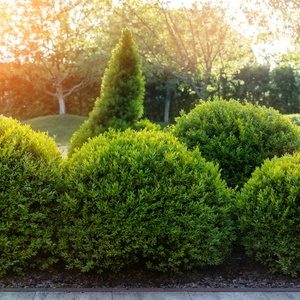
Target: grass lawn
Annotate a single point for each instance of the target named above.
(60, 127)
(295, 118)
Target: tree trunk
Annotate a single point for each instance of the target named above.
(62, 106)
(61, 100)
(167, 105)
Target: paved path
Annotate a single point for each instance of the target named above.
(147, 295)
(63, 150)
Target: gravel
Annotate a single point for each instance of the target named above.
(238, 271)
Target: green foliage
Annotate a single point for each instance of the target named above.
(19, 99)
(30, 178)
(278, 87)
(145, 124)
(253, 84)
(122, 92)
(284, 92)
(237, 136)
(269, 214)
(141, 198)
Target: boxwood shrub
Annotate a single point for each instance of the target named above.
(30, 178)
(141, 198)
(237, 136)
(269, 214)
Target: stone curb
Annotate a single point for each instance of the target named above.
(154, 290)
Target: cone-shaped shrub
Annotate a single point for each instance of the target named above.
(269, 214)
(237, 136)
(30, 178)
(140, 198)
(122, 93)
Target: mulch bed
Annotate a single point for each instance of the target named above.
(238, 271)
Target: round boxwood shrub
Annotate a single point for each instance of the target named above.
(140, 198)
(30, 173)
(237, 136)
(145, 124)
(269, 214)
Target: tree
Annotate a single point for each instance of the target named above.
(276, 22)
(120, 104)
(284, 90)
(191, 50)
(51, 42)
(165, 96)
(279, 10)
(253, 84)
(21, 100)
(278, 87)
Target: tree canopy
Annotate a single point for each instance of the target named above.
(190, 43)
(52, 42)
(54, 53)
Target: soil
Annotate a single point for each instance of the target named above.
(238, 271)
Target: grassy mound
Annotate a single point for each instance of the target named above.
(61, 126)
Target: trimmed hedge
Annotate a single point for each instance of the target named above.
(30, 178)
(237, 136)
(269, 214)
(140, 198)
